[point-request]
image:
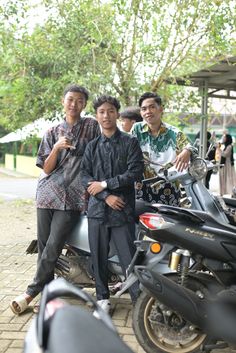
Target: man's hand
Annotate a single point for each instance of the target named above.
(94, 187)
(63, 143)
(115, 202)
(182, 160)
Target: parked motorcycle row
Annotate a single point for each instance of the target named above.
(185, 262)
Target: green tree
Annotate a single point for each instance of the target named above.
(36, 66)
(120, 47)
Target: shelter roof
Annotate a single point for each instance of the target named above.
(37, 128)
(220, 76)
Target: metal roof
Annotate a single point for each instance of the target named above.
(220, 76)
(37, 128)
(216, 81)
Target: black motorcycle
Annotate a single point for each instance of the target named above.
(174, 311)
(63, 327)
(75, 265)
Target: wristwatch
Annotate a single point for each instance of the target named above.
(104, 184)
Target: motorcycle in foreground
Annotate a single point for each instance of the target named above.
(172, 312)
(61, 327)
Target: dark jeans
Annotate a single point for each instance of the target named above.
(123, 238)
(53, 226)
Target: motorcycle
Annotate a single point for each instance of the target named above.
(62, 327)
(196, 197)
(176, 311)
(74, 264)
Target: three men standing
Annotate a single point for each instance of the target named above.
(112, 162)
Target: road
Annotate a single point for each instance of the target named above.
(17, 187)
(12, 188)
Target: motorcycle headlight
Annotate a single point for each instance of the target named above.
(198, 169)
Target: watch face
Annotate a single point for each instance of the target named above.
(104, 184)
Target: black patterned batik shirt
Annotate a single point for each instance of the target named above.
(62, 188)
(117, 160)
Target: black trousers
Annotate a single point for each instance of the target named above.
(53, 226)
(123, 238)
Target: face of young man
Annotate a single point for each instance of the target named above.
(107, 116)
(126, 124)
(151, 112)
(73, 103)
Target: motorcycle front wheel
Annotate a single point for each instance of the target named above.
(159, 329)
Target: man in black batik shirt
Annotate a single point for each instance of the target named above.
(110, 166)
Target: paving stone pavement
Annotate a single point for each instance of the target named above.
(16, 271)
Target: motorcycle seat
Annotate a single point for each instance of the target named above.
(75, 330)
(195, 216)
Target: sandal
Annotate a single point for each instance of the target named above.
(19, 304)
(36, 308)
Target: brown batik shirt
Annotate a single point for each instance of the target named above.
(62, 188)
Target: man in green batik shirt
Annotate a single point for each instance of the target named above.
(161, 143)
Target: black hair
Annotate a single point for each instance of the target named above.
(228, 141)
(131, 113)
(208, 135)
(106, 99)
(147, 95)
(73, 87)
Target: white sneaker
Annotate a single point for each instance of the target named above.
(105, 305)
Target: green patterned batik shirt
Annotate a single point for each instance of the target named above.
(162, 149)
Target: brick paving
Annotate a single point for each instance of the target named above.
(16, 271)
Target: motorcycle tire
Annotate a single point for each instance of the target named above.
(157, 332)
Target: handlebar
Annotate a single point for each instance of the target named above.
(197, 170)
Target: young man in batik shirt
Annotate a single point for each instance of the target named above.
(60, 195)
(161, 143)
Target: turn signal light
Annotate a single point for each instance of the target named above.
(155, 248)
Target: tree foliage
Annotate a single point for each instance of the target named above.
(119, 47)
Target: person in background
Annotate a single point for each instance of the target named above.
(210, 155)
(111, 164)
(161, 143)
(227, 172)
(60, 196)
(128, 117)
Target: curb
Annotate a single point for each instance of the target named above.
(13, 173)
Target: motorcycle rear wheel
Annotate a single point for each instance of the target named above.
(156, 335)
